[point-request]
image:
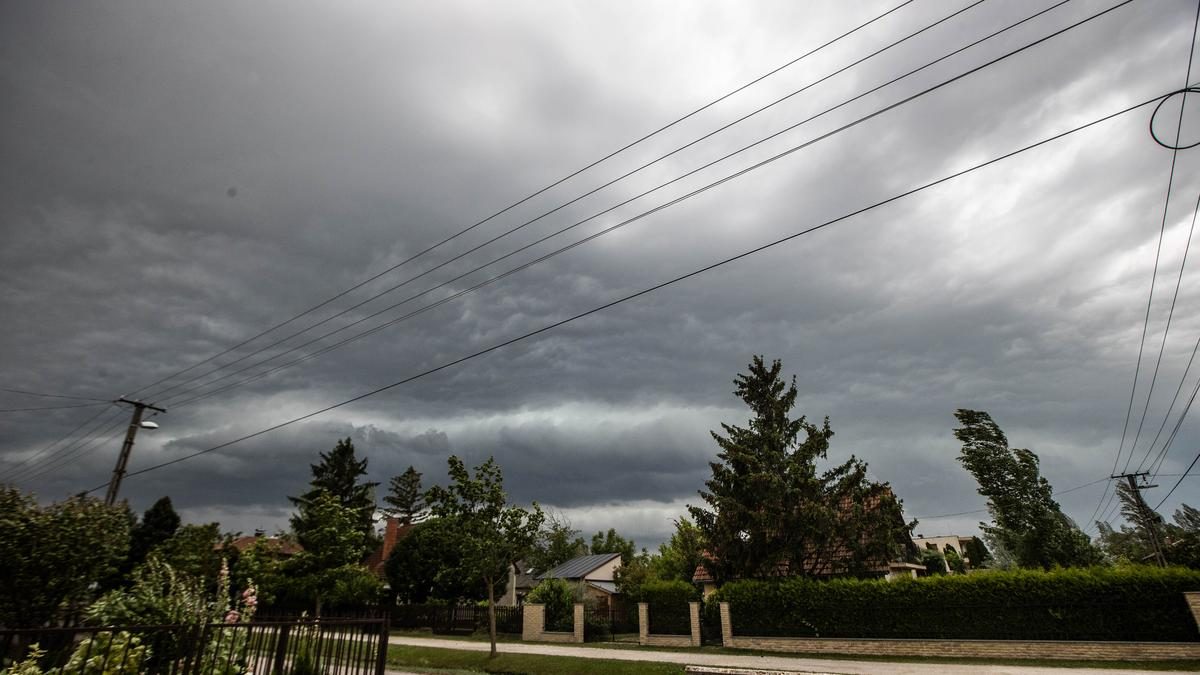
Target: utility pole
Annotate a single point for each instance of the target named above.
(119, 471)
(1145, 512)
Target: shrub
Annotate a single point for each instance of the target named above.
(559, 599)
(668, 601)
(1128, 603)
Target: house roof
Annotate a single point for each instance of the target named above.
(577, 568)
(609, 587)
(281, 546)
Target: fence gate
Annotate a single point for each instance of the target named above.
(618, 623)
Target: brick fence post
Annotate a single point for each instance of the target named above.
(579, 622)
(1193, 601)
(533, 621)
(694, 612)
(643, 622)
(726, 626)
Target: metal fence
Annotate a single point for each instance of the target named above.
(610, 624)
(455, 620)
(333, 647)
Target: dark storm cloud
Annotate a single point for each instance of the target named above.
(177, 178)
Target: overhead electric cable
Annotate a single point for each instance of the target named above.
(72, 449)
(19, 468)
(535, 194)
(593, 191)
(98, 441)
(1162, 346)
(177, 402)
(651, 289)
(38, 393)
(1178, 482)
(53, 407)
(984, 510)
(1154, 274)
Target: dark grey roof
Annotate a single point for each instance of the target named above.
(576, 568)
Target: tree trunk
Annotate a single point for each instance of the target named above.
(492, 615)
(318, 614)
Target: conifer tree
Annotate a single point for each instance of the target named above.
(338, 474)
(771, 512)
(405, 497)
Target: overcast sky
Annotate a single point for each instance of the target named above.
(177, 177)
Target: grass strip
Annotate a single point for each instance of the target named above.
(434, 660)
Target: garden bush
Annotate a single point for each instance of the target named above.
(559, 599)
(668, 601)
(1123, 603)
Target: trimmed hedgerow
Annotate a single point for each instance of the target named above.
(668, 600)
(1123, 603)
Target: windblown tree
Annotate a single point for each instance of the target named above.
(1145, 539)
(1028, 524)
(771, 511)
(405, 498)
(557, 543)
(338, 474)
(679, 556)
(612, 542)
(493, 533)
(329, 570)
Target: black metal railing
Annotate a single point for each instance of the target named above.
(451, 619)
(610, 624)
(298, 647)
(670, 619)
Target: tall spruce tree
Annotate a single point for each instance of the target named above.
(771, 512)
(1027, 523)
(405, 498)
(337, 474)
(158, 524)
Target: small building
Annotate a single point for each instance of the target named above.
(593, 575)
(521, 580)
(957, 542)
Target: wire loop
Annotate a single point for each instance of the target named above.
(1185, 92)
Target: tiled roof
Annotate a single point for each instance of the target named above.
(279, 545)
(577, 568)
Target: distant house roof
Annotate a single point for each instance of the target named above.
(578, 568)
(393, 532)
(609, 587)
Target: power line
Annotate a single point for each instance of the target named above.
(18, 468)
(70, 450)
(53, 407)
(593, 191)
(984, 510)
(1178, 482)
(534, 194)
(568, 247)
(114, 430)
(1154, 274)
(44, 395)
(651, 289)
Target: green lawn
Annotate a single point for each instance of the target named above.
(431, 660)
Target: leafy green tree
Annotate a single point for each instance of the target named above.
(557, 543)
(953, 560)
(260, 566)
(771, 511)
(158, 524)
(559, 598)
(405, 498)
(494, 534)
(1027, 523)
(50, 555)
(977, 553)
(611, 542)
(427, 565)
(329, 570)
(632, 576)
(679, 556)
(934, 561)
(195, 550)
(338, 474)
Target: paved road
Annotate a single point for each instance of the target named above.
(804, 665)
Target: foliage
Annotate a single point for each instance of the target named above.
(557, 543)
(92, 656)
(158, 524)
(1183, 538)
(954, 561)
(771, 512)
(157, 594)
(631, 576)
(328, 570)
(1180, 540)
(1102, 603)
(559, 598)
(1028, 523)
(977, 553)
(195, 550)
(337, 474)
(673, 592)
(427, 565)
(679, 556)
(493, 534)
(405, 498)
(611, 542)
(439, 659)
(52, 554)
(934, 561)
(260, 566)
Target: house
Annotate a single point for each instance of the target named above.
(393, 531)
(594, 575)
(521, 580)
(279, 548)
(939, 544)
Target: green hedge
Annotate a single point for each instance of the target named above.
(1124, 603)
(668, 600)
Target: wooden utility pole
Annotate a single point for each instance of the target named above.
(114, 485)
(1147, 513)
